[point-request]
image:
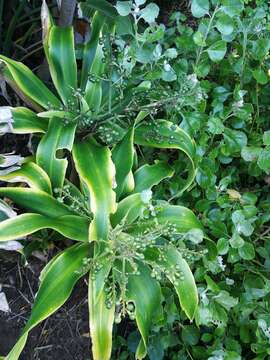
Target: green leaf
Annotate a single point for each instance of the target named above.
(28, 84)
(70, 226)
(260, 76)
(91, 46)
(54, 289)
(149, 13)
(58, 137)
(234, 141)
(130, 208)
(25, 121)
(236, 241)
(37, 201)
(250, 153)
(62, 61)
(101, 317)
(103, 6)
(199, 8)
(185, 286)
(164, 134)
(225, 24)
(123, 7)
(215, 125)
(32, 174)
(179, 216)
(122, 156)
(145, 292)
(266, 137)
(96, 171)
(93, 89)
(264, 160)
(232, 7)
(247, 251)
(149, 175)
(226, 300)
(217, 51)
(199, 38)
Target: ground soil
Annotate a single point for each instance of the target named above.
(65, 335)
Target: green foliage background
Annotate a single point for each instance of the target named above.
(208, 72)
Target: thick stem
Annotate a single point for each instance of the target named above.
(67, 10)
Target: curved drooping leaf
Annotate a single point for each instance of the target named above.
(130, 208)
(103, 6)
(9, 163)
(101, 326)
(6, 211)
(23, 121)
(58, 137)
(37, 201)
(62, 62)
(100, 317)
(145, 292)
(96, 170)
(28, 83)
(149, 175)
(54, 290)
(181, 217)
(164, 134)
(90, 47)
(185, 285)
(70, 226)
(31, 174)
(122, 156)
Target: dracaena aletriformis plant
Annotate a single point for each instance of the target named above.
(86, 96)
(126, 241)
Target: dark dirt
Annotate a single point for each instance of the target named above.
(65, 335)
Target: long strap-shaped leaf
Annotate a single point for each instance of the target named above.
(70, 226)
(100, 317)
(93, 89)
(55, 289)
(130, 208)
(25, 121)
(122, 156)
(182, 218)
(103, 6)
(185, 285)
(91, 47)
(31, 174)
(57, 137)
(149, 175)
(29, 84)
(145, 292)
(62, 62)
(96, 170)
(37, 201)
(164, 134)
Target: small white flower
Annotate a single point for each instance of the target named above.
(220, 263)
(229, 281)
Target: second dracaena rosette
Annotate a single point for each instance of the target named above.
(125, 242)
